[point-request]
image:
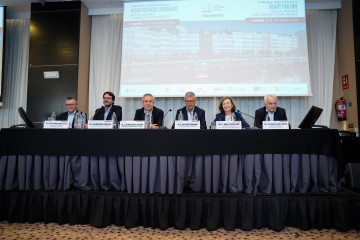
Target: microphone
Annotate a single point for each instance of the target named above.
(97, 110)
(245, 114)
(163, 127)
(167, 112)
(267, 118)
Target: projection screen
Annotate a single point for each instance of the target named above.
(215, 48)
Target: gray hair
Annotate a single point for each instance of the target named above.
(190, 94)
(148, 94)
(270, 95)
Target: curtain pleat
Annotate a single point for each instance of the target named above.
(15, 71)
(242, 211)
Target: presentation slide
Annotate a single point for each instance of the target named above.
(215, 48)
(1, 49)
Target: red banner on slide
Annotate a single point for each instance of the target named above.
(152, 23)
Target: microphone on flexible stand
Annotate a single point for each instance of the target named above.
(163, 127)
(95, 113)
(245, 114)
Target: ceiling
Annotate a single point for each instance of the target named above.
(21, 7)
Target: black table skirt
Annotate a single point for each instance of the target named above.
(195, 211)
(234, 173)
(168, 161)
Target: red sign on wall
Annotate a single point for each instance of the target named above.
(345, 82)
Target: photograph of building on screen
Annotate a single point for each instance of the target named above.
(214, 52)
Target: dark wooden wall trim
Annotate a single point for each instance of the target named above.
(54, 46)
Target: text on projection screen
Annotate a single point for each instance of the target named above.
(215, 48)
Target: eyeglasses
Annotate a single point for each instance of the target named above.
(70, 105)
(189, 101)
(107, 98)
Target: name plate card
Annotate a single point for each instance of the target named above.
(187, 124)
(100, 124)
(56, 124)
(132, 124)
(275, 124)
(228, 125)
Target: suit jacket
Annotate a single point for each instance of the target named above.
(238, 117)
(260, 115)
(64, 116)
(200, 113)
(157, 115)
(100, 112)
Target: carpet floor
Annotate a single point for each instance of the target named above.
(55, 231)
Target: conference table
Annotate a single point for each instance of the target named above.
(170, 161)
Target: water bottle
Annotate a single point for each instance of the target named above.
(83, 120)
(233, 117)
(195, 117)
(114, 120)
(76, 120)
(147, 120)
(53, 116)
(180, 116)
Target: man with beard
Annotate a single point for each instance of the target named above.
(106, 111)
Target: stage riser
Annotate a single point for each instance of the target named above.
(195, 211)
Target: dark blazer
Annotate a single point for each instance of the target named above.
(260, 115)
(157, 115)
(238, 117)
(200, 113)
(64, 116)
(99, 113)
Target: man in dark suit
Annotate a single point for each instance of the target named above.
(106, 111)
(157, 115)
(71, 107)
(190, 109)
(270, 112)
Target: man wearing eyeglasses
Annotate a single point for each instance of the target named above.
(71, 107)
(107, 110)
(190, 109)
(270, 112)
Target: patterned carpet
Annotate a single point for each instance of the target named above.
(54, 231)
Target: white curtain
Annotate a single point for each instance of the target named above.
(321, 28)
(15, 71)
(105, 58)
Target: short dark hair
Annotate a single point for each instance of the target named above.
(71, 98)
(232, 102)
(110, 94)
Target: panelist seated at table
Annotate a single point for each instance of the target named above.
(228, 112)
(71, 107)
(270, 112)
(190, 110)
(106, 111)
(157, 115)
